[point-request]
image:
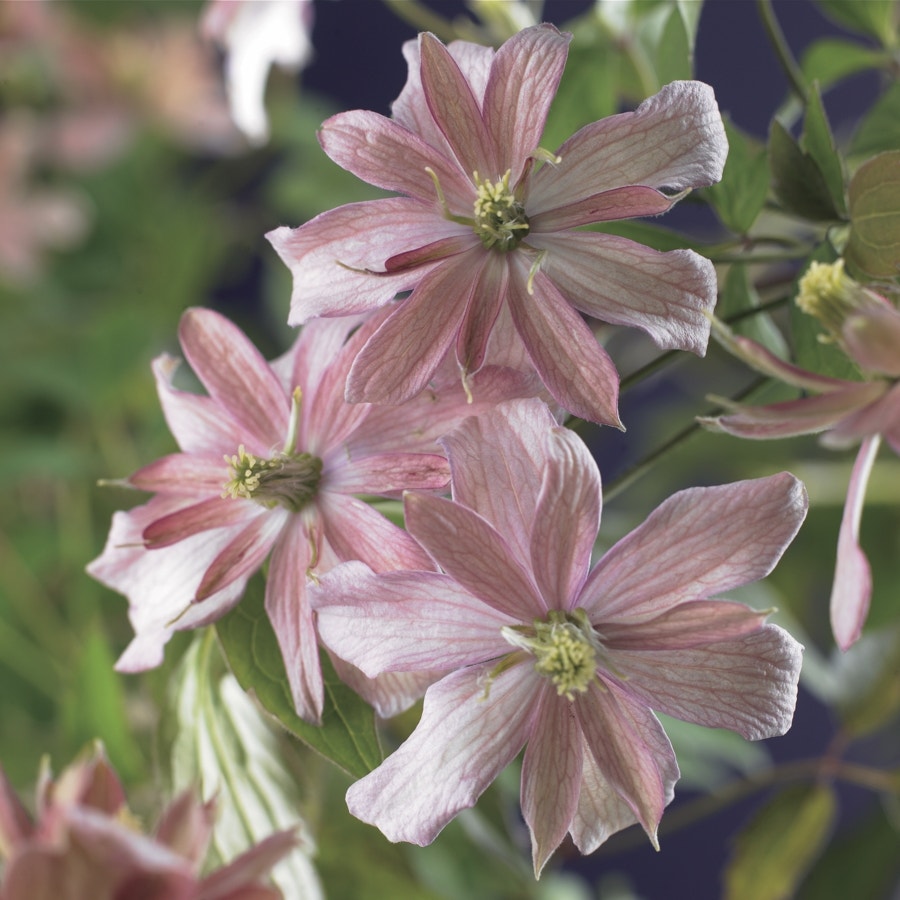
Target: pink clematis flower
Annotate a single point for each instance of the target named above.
(85, 843)
(270, 463)
(543, 652)
(484, 236)
(867, 327)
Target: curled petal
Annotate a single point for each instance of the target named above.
(852, 588)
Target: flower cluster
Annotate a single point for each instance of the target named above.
(443, 337)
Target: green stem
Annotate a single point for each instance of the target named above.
(774, 257)
(782, 51)
(422, 19)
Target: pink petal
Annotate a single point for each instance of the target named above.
(401, 357)
(668, 295)
(882, 416)
(186, 826)
(497, 464)
(524, 77)
(481, 313)
(465, 738)
(336, 257)
(872, 338)
(390, 156)
(685, 626)
(852, 588)
(404, 621)
(186, 474)
(203, 516)
(292, 618)
(237, 377)
(700, 542)
(674, 139)
(748, 685)
(388, 693)
(15, 823)
(456, 111)
(566, 520)
(242, 873)
(198, 423)
(573, 366)
(244, 554)
(630, 748)
(388, 473)
(619, 203)
(355, 530)
(468, 549)
(551, 775)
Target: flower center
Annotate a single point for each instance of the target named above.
(500, 220)
(831, 296)
(565, 647)
(287, 479)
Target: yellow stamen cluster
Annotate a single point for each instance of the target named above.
(830, 295)
(500, 220)
(288, 480)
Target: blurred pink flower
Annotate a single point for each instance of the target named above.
(270, 463)
(543, 652)
(255, 35)
(484, 234)
(86, 844)
(867, 327)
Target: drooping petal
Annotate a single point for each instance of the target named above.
(551, 775)
(455, 109)
(334, 256)
(465, 738)
(698, 543)
(525, 74)
(290, 613)
(468, 548)
(630, 748)
(566, 520)
(674, 139)
(183, 473)
(401, 357)
(354, 530)
(748, 685)
(390, 156)
(852, 588)
(388, 473)
(497, 463)
(668, 295)
(405, 621)
(237, 377)
(573, 366)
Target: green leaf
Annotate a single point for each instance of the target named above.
(738, 296)
(224, 747)
(873, 17)
(781, 842)
(830, 59)
(818, 142)
(740, 195)
(874, 244)
(674, 55)
(880, 129)
(796, 178)
(347, 735)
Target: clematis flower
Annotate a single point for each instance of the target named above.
(484, 233)
(85, 843)
(867, 327)
(542, 651)
(270, 465)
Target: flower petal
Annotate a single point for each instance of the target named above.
(698, 543)
(401, 357)
(608, 206)
(674, 139)
(748, 685)
(882, 416)
(337, 258)
(525, 74)
(389, 693)
(551, 775)
(566, 520)
(186, 474)
(291, 616)
(481, 313)
(404, 621)
(237, 377)
(668, 295)
(852, 588)
(388, 473)
(573, 366)
(470, 550)
(183, 523)
(465, 738)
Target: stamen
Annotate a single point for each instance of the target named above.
(500, 220)
(287, 479)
